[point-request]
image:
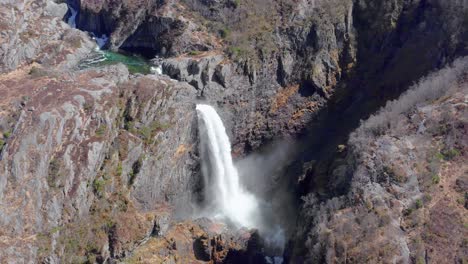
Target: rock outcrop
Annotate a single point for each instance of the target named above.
(86, 140)
(405, 166)
(201, 241)
(34, 31)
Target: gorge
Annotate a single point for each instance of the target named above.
(252, 131)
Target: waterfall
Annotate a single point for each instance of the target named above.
(72, 19)
(100, 41)
(222, 184)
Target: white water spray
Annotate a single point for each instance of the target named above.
(221, 177)
(100, 41)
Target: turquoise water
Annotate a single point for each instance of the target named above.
(135, 64)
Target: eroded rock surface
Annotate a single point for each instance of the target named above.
(403, 164)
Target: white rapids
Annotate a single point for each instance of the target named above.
(222, 184)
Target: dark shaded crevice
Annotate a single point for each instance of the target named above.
(154, 37)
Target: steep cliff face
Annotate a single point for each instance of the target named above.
(91, 160)
(406, 201)
(147, 27)
(91, 146)
(278, 68)
(34, 31)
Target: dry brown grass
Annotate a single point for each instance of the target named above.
(308, 107)
(181, 150)
(281, 98)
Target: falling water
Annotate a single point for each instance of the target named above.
(72, 19)
(222, 184)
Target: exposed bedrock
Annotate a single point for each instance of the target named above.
(147, 27)
(87, 141)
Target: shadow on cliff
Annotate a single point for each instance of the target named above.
(387, 64)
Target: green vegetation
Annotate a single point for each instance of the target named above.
(7, 134)
(435, 179)
(119, 169)
(147, 133)
(440, 156)
(238, 52)
(194, 52)
(450, 154)
(461, 201)
(2, 143)
(408, 211)
(419, 204)
(224, 32)
(129, 125)
(98, 186)
(55, 229)
(236, 3)
(101, 130)
(421, 260)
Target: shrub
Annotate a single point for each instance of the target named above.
(419, 203)
(224, 33)
(98, 186)
(237, 52)
(435, 179)
(147, 133)
(450, 154)
(440, 156)
(194, 52)
(101, 130)
(119, 169)
(408, 211)
(129, 125)
(2, 143)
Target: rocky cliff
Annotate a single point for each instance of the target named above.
(406, 200)
(98, 164)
